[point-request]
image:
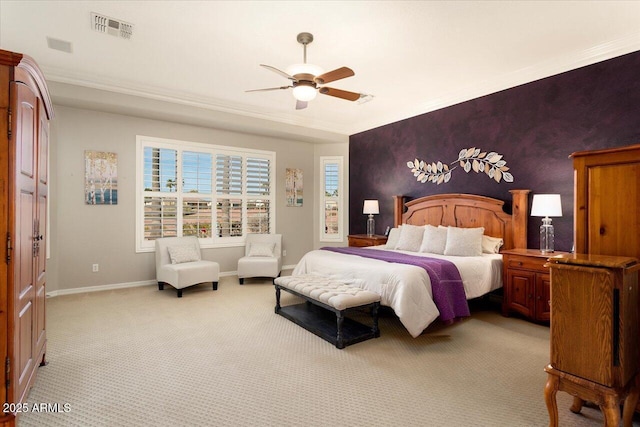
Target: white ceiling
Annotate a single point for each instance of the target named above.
(413, 57)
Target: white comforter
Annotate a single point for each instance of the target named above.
(405, 288)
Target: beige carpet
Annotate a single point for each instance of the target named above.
(142, 357)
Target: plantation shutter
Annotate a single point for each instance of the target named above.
(228, 174)
(331, 208)
(258, 184)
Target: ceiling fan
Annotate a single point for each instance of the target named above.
(308, 79)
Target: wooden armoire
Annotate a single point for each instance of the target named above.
(25, 112)
(607, 202)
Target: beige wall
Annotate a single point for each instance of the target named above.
(82, 235)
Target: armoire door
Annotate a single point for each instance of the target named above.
(42, 232)
(25, 229)
(613, 200)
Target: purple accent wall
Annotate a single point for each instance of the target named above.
(535, 126)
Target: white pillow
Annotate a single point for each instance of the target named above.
(491, 245)
(410, 238)
(392, 239)
(434, 239)
(464, 241)
(183, 253)
(261, 249)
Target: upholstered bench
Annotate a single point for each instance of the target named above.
(325, 297)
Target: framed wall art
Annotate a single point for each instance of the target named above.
(100, 178)
(293, 187)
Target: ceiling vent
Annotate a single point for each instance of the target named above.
(114, 27)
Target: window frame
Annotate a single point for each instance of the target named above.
(339, 161)
(142, 142)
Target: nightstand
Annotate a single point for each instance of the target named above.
(527, 283)
(361, 240)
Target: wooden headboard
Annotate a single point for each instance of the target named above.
(469, 210)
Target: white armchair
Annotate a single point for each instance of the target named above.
(262, 257)
(179, 263)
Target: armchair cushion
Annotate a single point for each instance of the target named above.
(261, 249)
(183, 253)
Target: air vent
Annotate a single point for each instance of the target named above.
(111, 26)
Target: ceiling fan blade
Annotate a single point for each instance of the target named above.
(301, 105)
(338, 93)
(269, 88)
(275, 70)
(331, 76)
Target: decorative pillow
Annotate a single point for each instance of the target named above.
(183, 253)
(410, 238)
(491, 245)
(434, 239)
(392, 239)
(464, 241)
(261, 249)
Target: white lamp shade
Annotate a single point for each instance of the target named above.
(546, 205)
(371, 207)
(304, 93)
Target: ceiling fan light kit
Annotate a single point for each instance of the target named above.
(303, 92)
(307, 79)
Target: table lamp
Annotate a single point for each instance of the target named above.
(371, 208)
(546, 205)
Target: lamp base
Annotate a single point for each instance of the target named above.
(371, 226)
(546, 236)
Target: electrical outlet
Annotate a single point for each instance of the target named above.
(96, 268)
(284, 252)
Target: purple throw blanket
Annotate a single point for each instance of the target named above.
(446, 283)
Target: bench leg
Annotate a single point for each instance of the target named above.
(340, 321)
(277, 299)
(374, 314)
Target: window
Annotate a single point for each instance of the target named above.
(331, 199)
(218, 194)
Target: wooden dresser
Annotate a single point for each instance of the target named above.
(26, 109)
(594, 334)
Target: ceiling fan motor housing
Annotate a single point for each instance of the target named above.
(305, 79)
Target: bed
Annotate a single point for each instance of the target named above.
(406, 288)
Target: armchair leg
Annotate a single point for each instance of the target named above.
(179, 293)
(160, 286)
(215, 286)
(241, 281)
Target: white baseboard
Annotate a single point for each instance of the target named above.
(113, 286)
(100, 288)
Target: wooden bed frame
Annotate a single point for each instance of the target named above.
(469, 210)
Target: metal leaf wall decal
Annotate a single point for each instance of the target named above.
(469, 159)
